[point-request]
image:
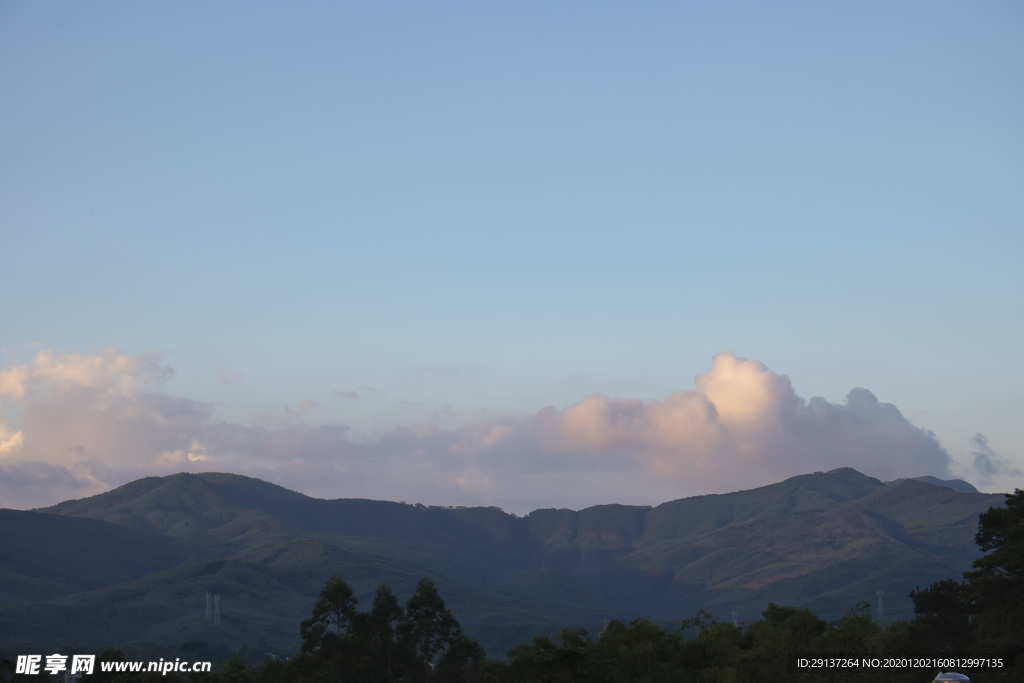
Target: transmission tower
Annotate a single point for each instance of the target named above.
(207, 607)
(881, 607)
(216, 610)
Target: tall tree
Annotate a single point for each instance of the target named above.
(942, 619)
(429, 628)
(332, 616)
(376, 634)
(995, 587)
(983, 615)
(461, 662)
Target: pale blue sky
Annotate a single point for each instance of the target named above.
(501, 207)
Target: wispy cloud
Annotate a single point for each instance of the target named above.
(28, 484)
(92, 422)
(283, 415)
(447, 370)
(443, 414)
(227, 379)
(358, 393)
(986, 463)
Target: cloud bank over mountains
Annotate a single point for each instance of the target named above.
(74, 425)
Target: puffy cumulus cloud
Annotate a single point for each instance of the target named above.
(9, 441)
(742, 426)
(92, 422)
(109, 370)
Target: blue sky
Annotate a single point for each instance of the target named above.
(376, 218)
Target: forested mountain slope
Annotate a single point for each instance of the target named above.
(142, 557)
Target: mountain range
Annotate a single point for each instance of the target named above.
(226, 558)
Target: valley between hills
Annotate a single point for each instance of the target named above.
(133, 566)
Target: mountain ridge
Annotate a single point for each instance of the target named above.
(819, 540)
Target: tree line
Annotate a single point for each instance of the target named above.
(981, 616)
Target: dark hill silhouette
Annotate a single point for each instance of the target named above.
(955, 484)
(141, 558)
(46, 556)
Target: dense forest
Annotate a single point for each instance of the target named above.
(980, 617)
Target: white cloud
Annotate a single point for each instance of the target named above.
(9, 441)
(89, 422)
(742, 426)
(108, 369)
(89, 419)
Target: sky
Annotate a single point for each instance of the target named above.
(517, 254)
